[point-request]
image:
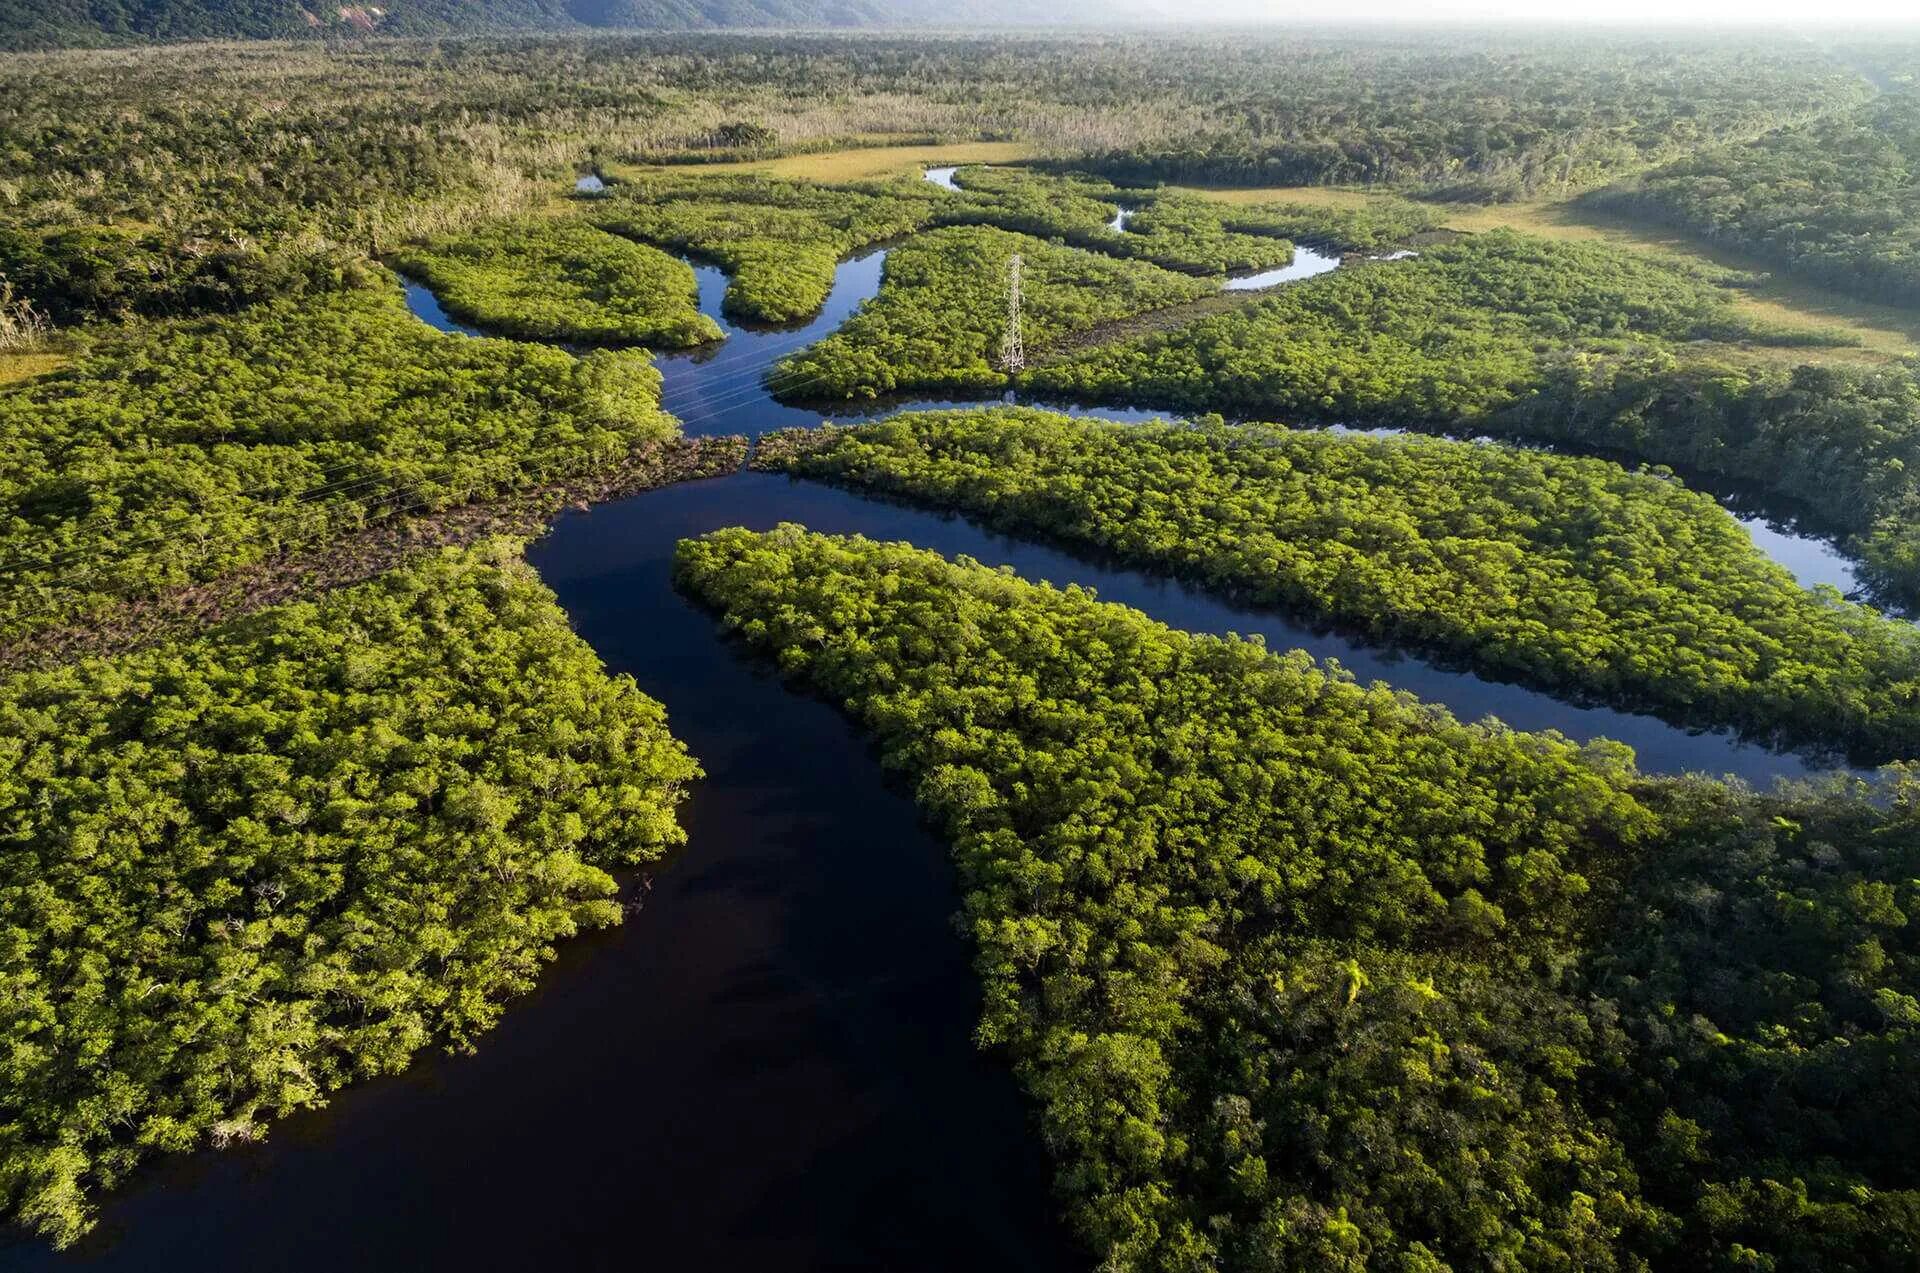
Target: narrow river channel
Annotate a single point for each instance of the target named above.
(769, 1066)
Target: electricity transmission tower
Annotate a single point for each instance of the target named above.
(1013, 354)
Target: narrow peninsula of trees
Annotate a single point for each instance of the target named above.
(244, 870)
(1574, 574)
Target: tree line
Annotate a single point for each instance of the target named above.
(1576, 575)
(1835, 200)
(371, 145)
(1843, 442)
(1456, 334)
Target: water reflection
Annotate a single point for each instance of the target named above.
(719, 389)
(1306, 263)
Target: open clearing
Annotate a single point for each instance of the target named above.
(860, 163)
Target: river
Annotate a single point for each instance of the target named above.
(770, 1065)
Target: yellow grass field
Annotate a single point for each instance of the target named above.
(17, 367)
(1885, 332)
(1315, 196)
(859, 164)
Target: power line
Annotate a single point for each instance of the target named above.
(1013, 351)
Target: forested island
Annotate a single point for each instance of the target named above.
(407, 419)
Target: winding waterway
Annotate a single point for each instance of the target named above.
(770, 1067)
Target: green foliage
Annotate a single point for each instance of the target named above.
(1767, 966)
(778, 239)
(1179, 231)
(243, 871)
(1306, 976)
(554, 279)
(942, 312)
(1488, 118)
(1381, 223)
(1452, 334)
(175, 452)
(1836, 200)
(1171, 227)
(368, 143)
(1573, 574)
(1842, 441)
(58, 23)
(80, 273)
(1224, 903)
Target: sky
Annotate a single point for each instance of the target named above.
(1811, 15)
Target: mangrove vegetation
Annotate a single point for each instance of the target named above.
(1574, 574)
(248, 868)
(1305, 974)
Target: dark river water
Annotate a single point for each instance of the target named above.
(769, 1066)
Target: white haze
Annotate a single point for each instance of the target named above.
(1824, 16)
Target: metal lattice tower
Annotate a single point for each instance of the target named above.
(1013, 354)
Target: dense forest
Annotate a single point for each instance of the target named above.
(777, 240)
(1299, 974)
(550, 280)
(1575, 574)
(1168, 228)
(1309, 975)
(77, 274)
(1429, 118)
(1836, 200)
(389, 139)
(31, 24)
(249, 868)
(176, 451)
(1841, 441)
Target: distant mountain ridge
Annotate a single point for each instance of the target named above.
(30, 24)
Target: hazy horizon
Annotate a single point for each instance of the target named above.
(1792, 14)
